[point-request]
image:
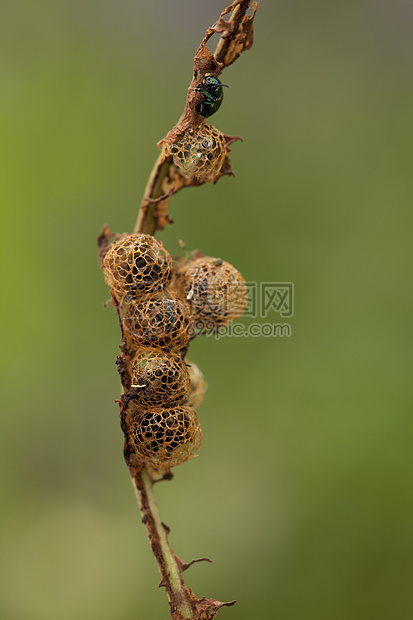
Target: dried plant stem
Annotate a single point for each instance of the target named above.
(169, 568)
(233, 24)
(146, 215)
(165, 180)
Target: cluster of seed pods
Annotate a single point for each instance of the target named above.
(162, 306)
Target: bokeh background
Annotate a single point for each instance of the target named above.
(302, 492)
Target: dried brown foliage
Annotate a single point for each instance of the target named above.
(167, 178)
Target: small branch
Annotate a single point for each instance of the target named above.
(184, 605)
(146, 221)
(170, 567)
(192, 562)
(237, 32)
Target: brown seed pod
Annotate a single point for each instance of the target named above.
(215, 290)
(136, 265)
(199, 153)
(164, 438)
(159, 379)
(197, 386)
(159, 321)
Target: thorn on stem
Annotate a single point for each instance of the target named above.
(166, 527)
(185, 566)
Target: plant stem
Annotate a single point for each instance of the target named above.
(233, 23)
(165, 180)
(146, 222)
(169, 568)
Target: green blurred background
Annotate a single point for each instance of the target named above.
(302, 493)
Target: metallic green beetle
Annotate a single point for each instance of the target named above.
(211, 89)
